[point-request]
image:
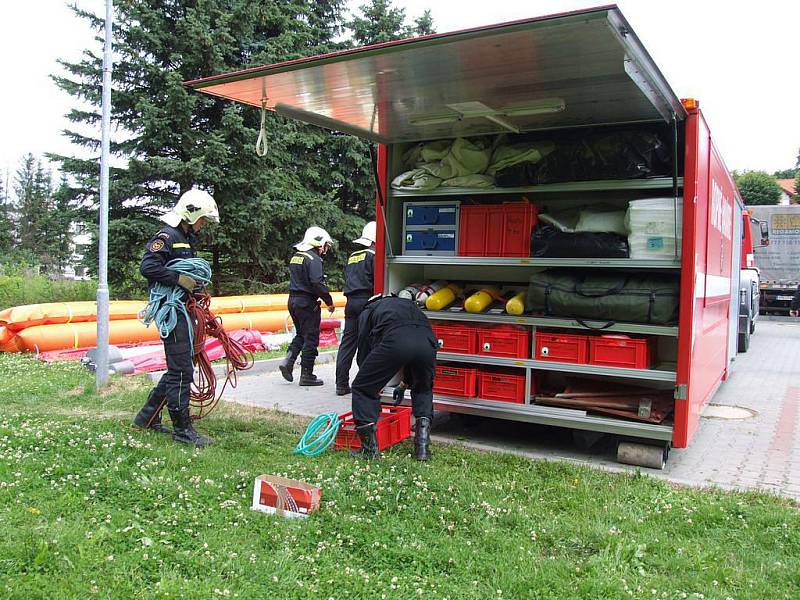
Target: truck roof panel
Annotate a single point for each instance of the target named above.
(579, 68)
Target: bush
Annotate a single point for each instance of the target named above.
(21, 288)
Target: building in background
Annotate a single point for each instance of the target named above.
(789, 195)
(80, 240)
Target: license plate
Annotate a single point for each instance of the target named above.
(784, 297)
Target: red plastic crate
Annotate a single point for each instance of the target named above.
(503, 385)
(509, 341)
(480, 230)
(394, 425)
(518, 223)
(456, 337)
(455, 381)
(621, 351)
(562, 347)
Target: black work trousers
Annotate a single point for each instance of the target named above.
(408, 348)
(349, 343)
(175, 384)
(306, 315)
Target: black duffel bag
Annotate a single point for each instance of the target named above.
(609, 297)
(549, 242)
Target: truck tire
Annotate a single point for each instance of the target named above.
(744, 341)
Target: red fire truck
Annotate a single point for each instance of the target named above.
(556, 78)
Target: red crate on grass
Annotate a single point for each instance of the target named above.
(480, 230)
(455, 381)
(621, 351)
(504, 385)
(394, 425)
(456, 337)
(562, 347)
(509, 341)
(518, 222)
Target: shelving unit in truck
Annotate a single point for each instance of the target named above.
(564, 218)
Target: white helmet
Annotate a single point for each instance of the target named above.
(367, 235)
(192, 205)
(315, 237)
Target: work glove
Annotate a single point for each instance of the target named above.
(399, 393)
(187, 283)
(794, 313)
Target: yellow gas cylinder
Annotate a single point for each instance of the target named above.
(516, 306)
(480, 301)
(444, 297)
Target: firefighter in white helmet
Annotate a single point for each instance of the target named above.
(359, 283)
(307, 287)
(176, 240)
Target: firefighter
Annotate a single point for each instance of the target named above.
(306, 287)
(359, 282)
(393, 335)
(176, 240)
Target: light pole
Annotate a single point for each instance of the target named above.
(102, 270)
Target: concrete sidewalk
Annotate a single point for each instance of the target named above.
(759, 452)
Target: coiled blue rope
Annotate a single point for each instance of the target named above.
(166, 302)
(319, 435)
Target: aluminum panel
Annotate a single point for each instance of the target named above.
(434, 87)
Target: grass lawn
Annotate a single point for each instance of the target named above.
(91, 508)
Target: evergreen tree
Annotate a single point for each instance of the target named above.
(381, 22)
(33, 189)
(172, 138)
(6, 224)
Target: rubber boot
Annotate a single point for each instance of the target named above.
(287, 365)
(422, 438)
(149, 417)
(308, 378)
(369, 442)
(343, 390)
(183, 431)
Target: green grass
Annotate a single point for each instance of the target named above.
(90, 508)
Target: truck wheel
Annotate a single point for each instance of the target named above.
(744, 340)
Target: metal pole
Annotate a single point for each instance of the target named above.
(102, 271)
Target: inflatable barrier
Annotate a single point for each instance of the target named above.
(18, 318)
(43, 338)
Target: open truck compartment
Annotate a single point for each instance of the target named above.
(544, 149)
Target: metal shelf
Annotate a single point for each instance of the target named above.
(445, 315)
(655, 183)
(547, 415)
(502, 261)
(544, 365)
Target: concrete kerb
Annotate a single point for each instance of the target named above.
(260, 366)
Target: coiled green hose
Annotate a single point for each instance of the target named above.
(319, 435)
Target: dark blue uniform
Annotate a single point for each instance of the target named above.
(393, 334)
(174, 386)
(306, 287)
(359, 282)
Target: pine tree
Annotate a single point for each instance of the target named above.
(172, 138)
(33, 189)
(6, 224)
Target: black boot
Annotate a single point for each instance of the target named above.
(149, 417)
(307, 377)
(287, 364)
(422, 438)
(343, 390)
(183, 432)
(369, 442)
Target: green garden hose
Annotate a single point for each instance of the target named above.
(319, 435)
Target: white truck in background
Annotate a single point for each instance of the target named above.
(779, 261)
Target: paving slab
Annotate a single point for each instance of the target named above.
(759, 452)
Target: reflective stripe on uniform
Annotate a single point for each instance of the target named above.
(181, 245)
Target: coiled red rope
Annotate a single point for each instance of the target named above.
(206, 324)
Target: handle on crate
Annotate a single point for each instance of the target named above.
(585, 324)
(429, 244)
(449, 372)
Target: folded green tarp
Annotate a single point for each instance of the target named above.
(605, 297)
